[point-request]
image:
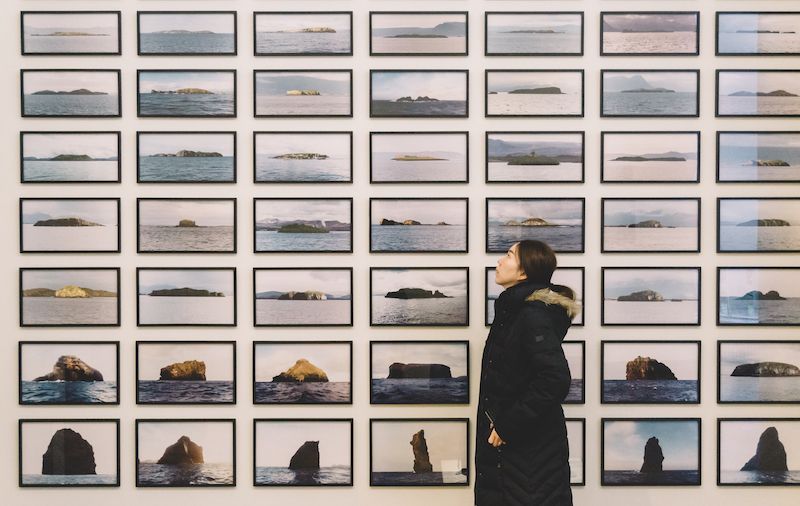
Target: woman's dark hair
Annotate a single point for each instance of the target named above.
(538, 262)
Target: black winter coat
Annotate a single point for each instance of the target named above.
(524, 379)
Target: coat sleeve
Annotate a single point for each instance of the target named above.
(548, 384)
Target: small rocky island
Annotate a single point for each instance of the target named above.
(299, 93)
(423, 98)
(546, 31)
(531, 159)
(69, 34)
(186, 153)
(71, 158)
(646, 368)
(422, 460)
(770, 453)
(387, 221)
(186, 224)
(190, 370)
(648, 90)
(306, 457)
(302, 371)
(317, 29)
(417, 36)
(306, 295)
(417, 158)
(545, 90)
(68, 454)
(757, 295)
(71, 368)
(647, 224)
(767, 163)
(67, 292)
(81, 91)
(184, 292)
(529, 222)
(183, 32)
(769, 222)
(642, 296)
(774, 93)
(653, 457)
(182, 453)
(634, 158)
(301, 156)
(766, 370)
(183, 91)
(302, 228)
(399, 370)
(66, 222)
(416, 293)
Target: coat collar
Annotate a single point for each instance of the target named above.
(514, 296)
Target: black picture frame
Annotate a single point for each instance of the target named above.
(604, 179)
(758, 133)
(63, 384)
(603, 236)
(721, 14)
(696, 14)
(139, 390)
(721, 200)
(256, 421)
(603, 318)
(720, 72)
(772, 474)
(115, 72)
(140, 200)
(25, 52)
(21, 439)
(487, 157)
(696, 72)
(146, 133)
(582, 422)
(739, 322)
(581, 397)
(556, 248)
(374, 114)
(303, 400)
(139, 73)
(761, 344)
(162, 324)
(372, 51)
(256, 52)
(258, 133)
(232, 421)
(487, 93)
(349, 72)
(22, 201)
(188, 14)
(376, 483)
(487, 14)
(256, 270)
(465, 200)
(22, 270)
(373, 180)
(22, 157)
(349, 200)
(647, 396)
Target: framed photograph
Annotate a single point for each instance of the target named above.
(757, 451)
(186, 33)
(438, 455)
(185, 157)
(302, 93)
(443, 294)
(419, 225)
(68, 372)
(576, 436)
(186, 93)
(69, 225)
(69, 297)
(572, 277)
(650, 451)
(186, 225)
(650, 93)
(303, 452)
(418, 93)
(299, 225)
(533, 33)
(303, 157)
(758, 93)
(758, 157)
(534, 93)
(56, 33)
(650, 157)
(650, 372)
(70, 93)
(558, 222)
(649, 33)
(650, 225)
(418, 157)
(198, 296)
(422, 33)
(760, 225)
(762, 296)
(309, 33)
(70, 157)
(185, 372)
(758, 34)
(648, 296)
(758, 372)
(303, 296)
(69, 452)
(186, 452)
(302, 372)
(535, 157)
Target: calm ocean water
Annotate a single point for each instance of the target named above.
(69, 479)
(661, 478)
(84, 392)
(759, 105)
(185, 391)
(734, 161)
(561, 238)
(276, 169)
(149, 473)
(418, 237)
(742, 388)
(61, 311)
(419, 45)
(651, 171)
(389, 311)
(278, 43)
(313, 105)
(155, 104)
(187, 42)
(650, 391)
(185, 310)
(533, 104)
(575, 391)
(534, 43)
(69, 238)
(71, 105)
(650, 239)
(759, 238)
(754, 312)
(267, 240)
(162, 169)
(637, 312)
(662, 104)
(163, 238)
(106, 43)
(759, 42)
(289, 312)
(565, 171)
(781, 477)
(386, 169)
(420, 391)
(333, 475)
(440, 108)
(38, 170)
(649, 42)
(411, 478)
(331, 392)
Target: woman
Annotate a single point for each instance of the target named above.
(521, 454)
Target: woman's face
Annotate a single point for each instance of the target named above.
(508, 271)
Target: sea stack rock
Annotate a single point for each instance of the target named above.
(71, 368)
(422, 462)
(646, 224)
(66, 222)
(306, 457)
(646, 368)
(409, 371)
(416, 293)
(302, 371)
(642, 296)
(71, 292)
(307, 295)
(769, 222)
(770, 454)
(68, 453)
(653, 457)
(191, 370)
(757, 295)
(187, 223)
(766, 369)
(182, 453)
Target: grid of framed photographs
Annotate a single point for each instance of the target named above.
(413, 225)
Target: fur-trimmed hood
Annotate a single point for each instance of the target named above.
(549, 297)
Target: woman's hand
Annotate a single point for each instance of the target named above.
(495, 440)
